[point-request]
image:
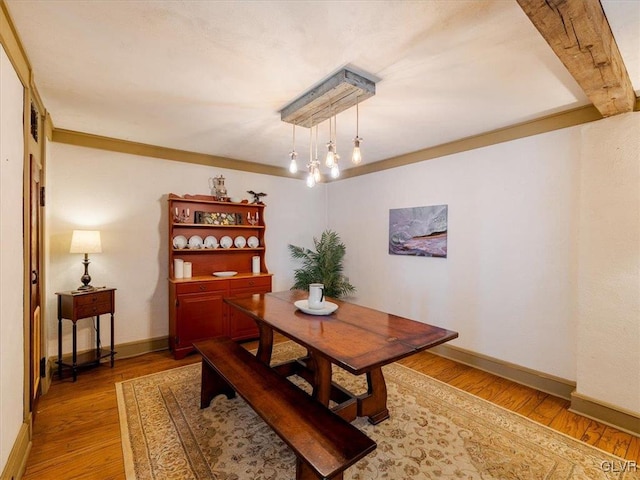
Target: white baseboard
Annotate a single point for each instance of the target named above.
(543, 382)
(605, 413)
(17, 461)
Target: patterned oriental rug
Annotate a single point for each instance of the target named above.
(435, 431)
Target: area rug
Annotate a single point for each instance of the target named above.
(435, 431)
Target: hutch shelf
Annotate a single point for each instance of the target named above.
(196, 304)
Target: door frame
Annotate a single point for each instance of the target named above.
(35, 150)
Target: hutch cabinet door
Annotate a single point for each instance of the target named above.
(199, 316)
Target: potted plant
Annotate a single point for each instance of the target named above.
(324, 265)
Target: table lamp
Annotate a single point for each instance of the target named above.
(85, 241)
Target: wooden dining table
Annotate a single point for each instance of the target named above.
(358, 339)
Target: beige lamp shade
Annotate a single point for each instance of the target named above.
(85, 241)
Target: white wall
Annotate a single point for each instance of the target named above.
(507, 284)
(609, 259)
(124, 196)
(11, 257)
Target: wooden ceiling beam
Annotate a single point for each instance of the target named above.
(580, 35)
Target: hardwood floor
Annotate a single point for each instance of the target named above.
(77, 430)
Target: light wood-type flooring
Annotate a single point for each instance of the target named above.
(77, 430)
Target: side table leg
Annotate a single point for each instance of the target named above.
(75, 354)
(112, 344)
(98, 340)
(59, 346)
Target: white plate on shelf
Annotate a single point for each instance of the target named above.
(195, 241)
(225, 274)
(210, 242)
(240, 241)
(226, 242)
(179, 241)
(328, 309)
(253, 242)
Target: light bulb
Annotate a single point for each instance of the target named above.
(330, 160)
(356, 157)
(311, 181)
(316, 174)
(335, 171)
(293, 164)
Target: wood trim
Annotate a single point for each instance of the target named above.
(13, 46)
(17, 461)
(549, 123)
(605, 413)
(570, 118)
(48, 127)
(340, 91)
(133, 349)
(551, 384)
(124, 146)
(580, 35)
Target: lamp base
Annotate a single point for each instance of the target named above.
(86, 278)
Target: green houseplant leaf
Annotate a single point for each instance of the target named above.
(324, 265)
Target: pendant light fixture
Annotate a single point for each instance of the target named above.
(337, 93)
(335, 169)
(331, 147)
(311, 178)
(316, 162)
(293, 164)
(313, 167)
(356, 156)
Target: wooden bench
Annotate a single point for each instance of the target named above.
(324, 443)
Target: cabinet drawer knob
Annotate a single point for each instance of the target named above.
(202, 287)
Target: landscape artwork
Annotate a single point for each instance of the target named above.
(418, 231)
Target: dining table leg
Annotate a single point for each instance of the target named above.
(373, 404)
(265, 344)
(321, 367)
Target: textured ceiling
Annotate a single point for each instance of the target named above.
(211, 76)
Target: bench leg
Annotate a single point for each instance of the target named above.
(303, 472)
(212, 385)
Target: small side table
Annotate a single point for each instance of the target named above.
(75, 305)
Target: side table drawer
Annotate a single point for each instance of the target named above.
(76, 306)
(93, 298)
(93, 309)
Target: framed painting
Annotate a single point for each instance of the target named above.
(419, 231)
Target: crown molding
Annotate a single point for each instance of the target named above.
(549, 123)
(545, 124)
(13, 46)
(88, 140)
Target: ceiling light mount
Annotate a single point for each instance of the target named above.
(336, 94)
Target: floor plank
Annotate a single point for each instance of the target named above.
(614, 441)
